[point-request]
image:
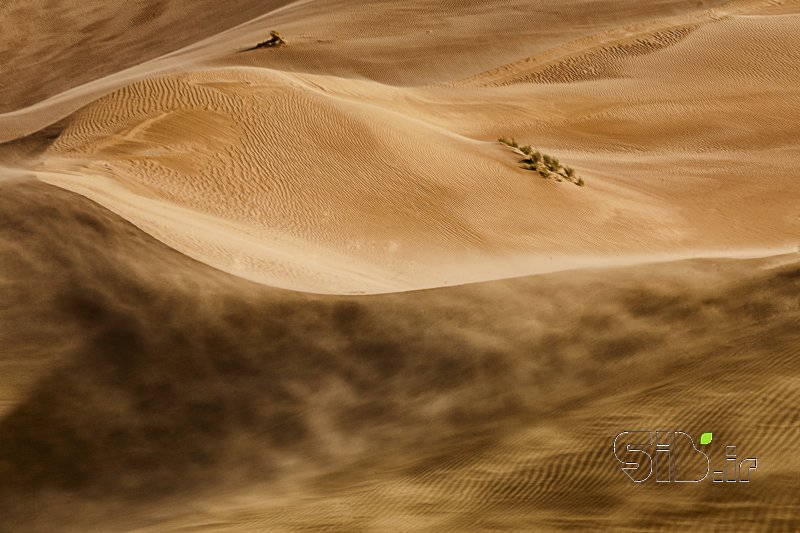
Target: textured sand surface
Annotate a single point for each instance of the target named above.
(338, 184)
(306, 289)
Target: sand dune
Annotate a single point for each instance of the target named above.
(100, 39)
(212, 263)
(332, 38)
(195, 400)
(356, 186)
(339, 176)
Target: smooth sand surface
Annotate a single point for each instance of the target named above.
(306, 289)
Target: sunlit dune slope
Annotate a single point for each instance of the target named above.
(326, 183)
(143, 390)
(433, 41)
(294, 182)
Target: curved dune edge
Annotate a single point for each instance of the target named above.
(328, 185)
(284, 262)
(356, 186)
(231, 165)
(350, 185)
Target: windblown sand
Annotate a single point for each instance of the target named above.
(306, 289)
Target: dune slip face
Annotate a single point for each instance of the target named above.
(398, 266)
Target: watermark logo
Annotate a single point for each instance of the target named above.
(672, 457)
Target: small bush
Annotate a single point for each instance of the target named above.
(552, 163)
(532, 161)
(275, 40)
(546, 165)
(509, 142)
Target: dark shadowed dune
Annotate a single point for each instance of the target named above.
(142, 389)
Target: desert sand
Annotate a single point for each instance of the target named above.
(305, 288)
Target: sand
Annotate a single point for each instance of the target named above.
(358, 185)
(305, 287)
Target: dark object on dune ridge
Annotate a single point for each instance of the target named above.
(275, 41)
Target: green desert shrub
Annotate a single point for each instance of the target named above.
(533, 159)
(546, 165)
(509, 142)
(551, 162)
